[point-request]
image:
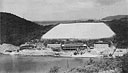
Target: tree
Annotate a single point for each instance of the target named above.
(124, 63)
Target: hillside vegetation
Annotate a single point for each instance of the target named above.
(16, 30)
(120, 27)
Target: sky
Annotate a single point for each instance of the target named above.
(46, 10)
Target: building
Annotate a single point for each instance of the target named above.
(54, 47)
(27, 46)
(102, 47)
(68, 47)
(75, 46)
(80, 31)
(120, 52)
(101, 44)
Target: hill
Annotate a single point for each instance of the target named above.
(16, 30)
(120, 27)
(117, 17)
(66, 21)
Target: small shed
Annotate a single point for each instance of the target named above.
(120, 52)
(54, 47)
(101, 46)
(27, 46)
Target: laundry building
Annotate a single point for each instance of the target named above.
(80, 31)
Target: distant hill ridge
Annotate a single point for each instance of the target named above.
(120, 27)
(16, 30)
(116, 17)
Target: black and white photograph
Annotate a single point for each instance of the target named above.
(63, 36)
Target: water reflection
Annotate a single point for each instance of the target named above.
(23, 64)
(14, 64)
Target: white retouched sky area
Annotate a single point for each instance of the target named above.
(46, 10)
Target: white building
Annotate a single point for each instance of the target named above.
(101, 47)
(120, 52)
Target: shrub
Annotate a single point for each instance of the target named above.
(54, 69)
(124, 63)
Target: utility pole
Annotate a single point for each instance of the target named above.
(0, 28)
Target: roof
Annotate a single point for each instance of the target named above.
(102, 42)
(73, 45)
(8, 47)
(54, 45)
(79, 31)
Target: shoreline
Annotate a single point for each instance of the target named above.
(47, 56)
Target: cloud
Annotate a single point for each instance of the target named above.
(70, 4)
(1, 7)
(63, 9)
(108, 2)
(127, 1)
(60, 6)
(87, 4)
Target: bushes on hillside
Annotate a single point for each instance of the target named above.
(54, 69)
(124, 63)
(120, 27)
(94, 66)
